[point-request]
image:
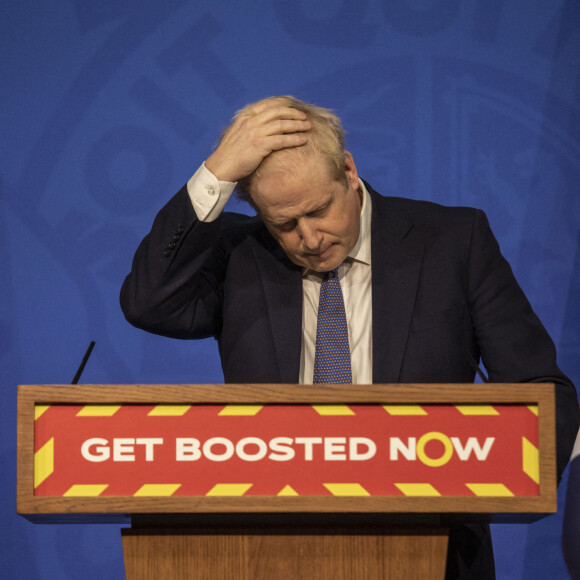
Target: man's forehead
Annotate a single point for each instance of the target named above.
(294, 161)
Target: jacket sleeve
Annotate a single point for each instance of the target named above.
(515, 346)
(175, 284)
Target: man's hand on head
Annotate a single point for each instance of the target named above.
(252, 137)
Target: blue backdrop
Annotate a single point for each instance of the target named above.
(108, 107)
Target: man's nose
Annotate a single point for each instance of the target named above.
(311, 236)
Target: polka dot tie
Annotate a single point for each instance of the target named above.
(332, 356)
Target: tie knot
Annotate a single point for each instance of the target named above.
(332, 274)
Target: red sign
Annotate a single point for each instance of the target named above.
(270, 450)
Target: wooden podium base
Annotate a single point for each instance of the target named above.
(341, 554)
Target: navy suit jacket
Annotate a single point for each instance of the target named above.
(441, 292)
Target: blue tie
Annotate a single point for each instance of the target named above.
(332, 357)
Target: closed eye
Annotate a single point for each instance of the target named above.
(285, 226)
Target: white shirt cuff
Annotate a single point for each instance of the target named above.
(208, 195)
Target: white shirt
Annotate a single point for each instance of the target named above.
(209, 196)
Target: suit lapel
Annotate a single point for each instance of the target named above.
(282, 286)
(397, 252)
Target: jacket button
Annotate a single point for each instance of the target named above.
(167, 252)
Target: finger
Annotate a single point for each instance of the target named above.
(285, 126)
(286, 141)
(264, 112)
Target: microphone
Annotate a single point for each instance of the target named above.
(83, 363)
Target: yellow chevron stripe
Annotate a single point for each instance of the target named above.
(346, 489)
(169, 410)
(533, 409)
(85, 490)
(39, 410)
(490, 489)
(229, 489)
(98, 410)
(530, 460)
(240, 410)
(477, 410)
(287, 491)
(417, 489)
(44, 462)
(404, 410)
(157, 489)
(329, 410)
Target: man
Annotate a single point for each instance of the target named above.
(425, 289)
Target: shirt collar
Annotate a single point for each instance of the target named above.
(362, 249)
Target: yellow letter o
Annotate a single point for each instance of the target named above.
(440, 460)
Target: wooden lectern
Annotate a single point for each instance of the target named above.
(285, 481)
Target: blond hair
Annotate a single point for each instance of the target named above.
(326, 137)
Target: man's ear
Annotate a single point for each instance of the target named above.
(350, 170)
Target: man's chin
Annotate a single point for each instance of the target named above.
(323, 263)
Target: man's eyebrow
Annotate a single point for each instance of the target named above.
(321, 207)
(282, 221)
